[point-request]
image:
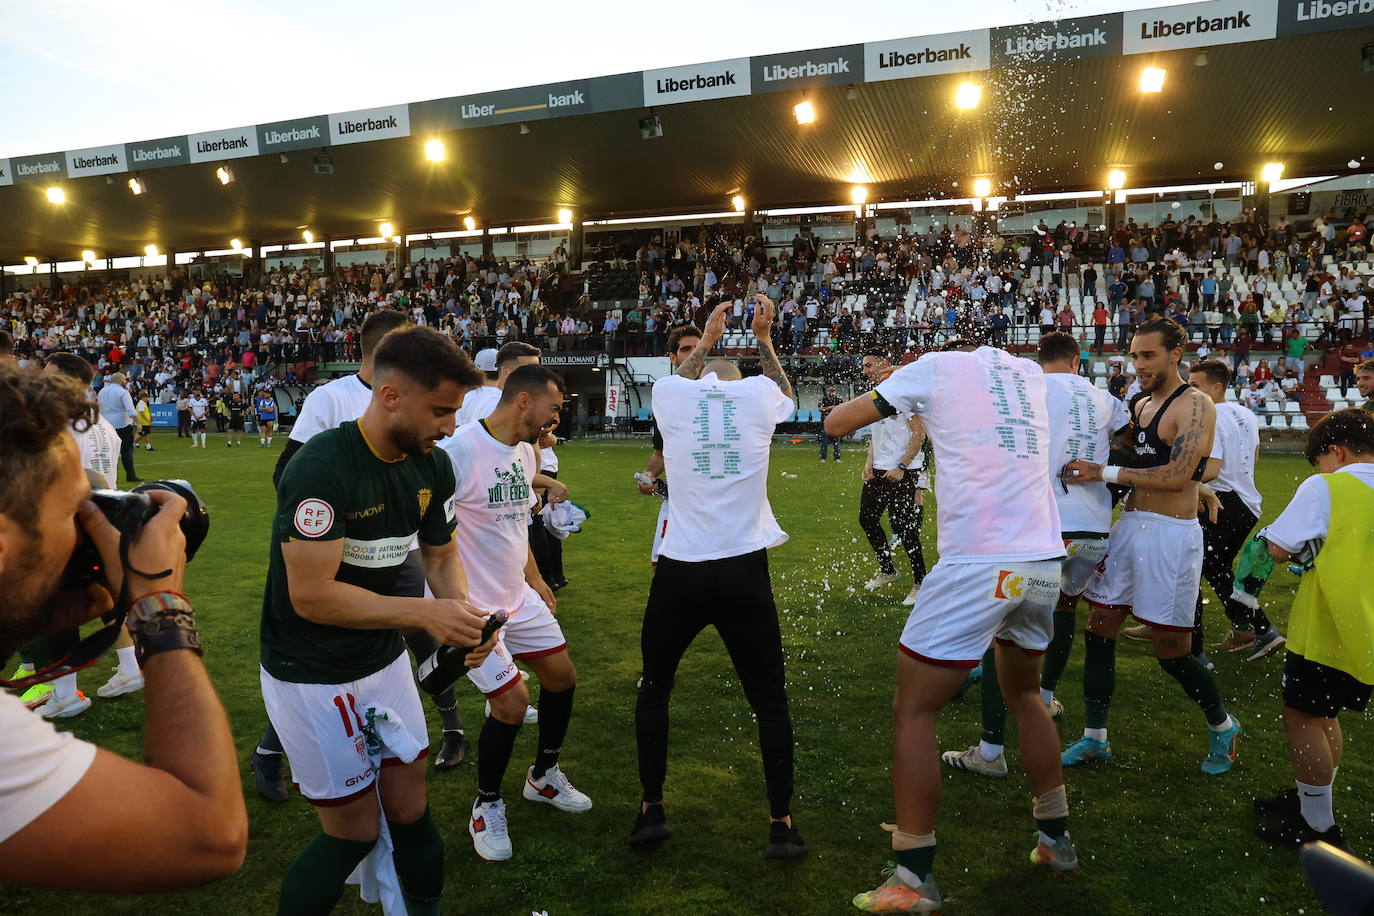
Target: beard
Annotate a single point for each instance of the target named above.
(28, 598)
(411, 442)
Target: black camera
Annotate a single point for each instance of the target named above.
(128, 513)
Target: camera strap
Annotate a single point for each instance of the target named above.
(89, 650)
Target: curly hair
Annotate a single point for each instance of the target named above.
(35, 409)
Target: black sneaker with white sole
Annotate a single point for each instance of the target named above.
(651, 827)
(1283, 805)
(267, 776)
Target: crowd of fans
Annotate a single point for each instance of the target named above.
(1237, 287)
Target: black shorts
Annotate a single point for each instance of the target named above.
(1320, 690)
(145, 430)
(236, 423)
(198, 426)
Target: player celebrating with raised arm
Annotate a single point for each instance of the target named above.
(1154, 555)
(333, 662)
(996, 581)
(494, 464)
(713, 569)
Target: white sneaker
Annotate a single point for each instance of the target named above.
(910, 599)
(1054, 708)
(57, 708)
(120, 684)
(880, 580)
(487, 825)
(972, 761)
(531, 714)
(554, 789)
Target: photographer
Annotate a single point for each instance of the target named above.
(64, 804)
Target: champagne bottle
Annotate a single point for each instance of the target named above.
(442, 670)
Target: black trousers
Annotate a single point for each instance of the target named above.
(1222, 542)
(735, 596)
(898, 500)
(183, 423)
(126, 452)
(547, 549)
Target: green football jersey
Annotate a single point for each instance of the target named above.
(337, 488)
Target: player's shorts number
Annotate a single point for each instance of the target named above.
(344, 711)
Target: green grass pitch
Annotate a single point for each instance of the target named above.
(1154, 834)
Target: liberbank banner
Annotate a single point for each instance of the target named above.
(6, 175)
(1049, 42)
(722, 79)
(906, 58)
(804, 69)
(1195, 25)
(532, 103)
(39, 168)
(1306, 17)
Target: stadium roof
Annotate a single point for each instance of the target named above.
(1248, 82)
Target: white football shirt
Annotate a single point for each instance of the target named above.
(99, 447)
(492, 498)
(986, 418)
(478, 404)
(717, 437)
(1082, 420)
(1238, 430)
(890, 437)
(330, 405)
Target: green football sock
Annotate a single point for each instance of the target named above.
(315, 881)
(1099, 678)
(994, 707)
(1057, 653)
(1199, 684)
(418, 853)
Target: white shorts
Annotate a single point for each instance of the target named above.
(531, 632)
(1085, 556)
(963, 607)
(1153, 567)
(660, 531)
(321, 728)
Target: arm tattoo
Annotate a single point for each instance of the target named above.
(695, 362)
(768, 363)
(1189, 443)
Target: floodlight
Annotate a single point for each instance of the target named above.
(434, 150)
(968, 95)
(1152, 79)
(565, 216)
(982, 187)
(1272, 172)
(858, 194)
(1116, 179)
(150, 250)
(224, 174)
(738, 202)
(805, 112)
(308, 236)
(387, 230)
(30, 260)
(136, 186)
(56, 195)
(88, 257)
(236, 244)
(469, 223)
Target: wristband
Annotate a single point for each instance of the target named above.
(155, 603)
(1110, 473)
(901, 466)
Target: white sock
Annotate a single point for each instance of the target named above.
(908, 877)
(27, 667)
(262, 440)
(989, 752)
(128, 663)
(64, 688)
(1097, 734)
(1046, 696)
(269, 440)
(1223, 726)
(1316, 806)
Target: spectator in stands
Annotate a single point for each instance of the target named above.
(1348, 357)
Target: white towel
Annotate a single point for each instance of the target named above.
(376, 874)
(563, 519)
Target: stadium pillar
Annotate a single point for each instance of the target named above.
(4, 285)
(54, 281)
(486, 243)
(1113, 213)
(576, 240)
(750, 221)
(252, 265)
(1261, 202)
(402, 256)
(328, 256)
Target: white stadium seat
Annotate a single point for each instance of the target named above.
(1278, 422)
(1327, 381)
(1100, 382)
(1231, 395)
(1292, 407)
(1300, 422)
